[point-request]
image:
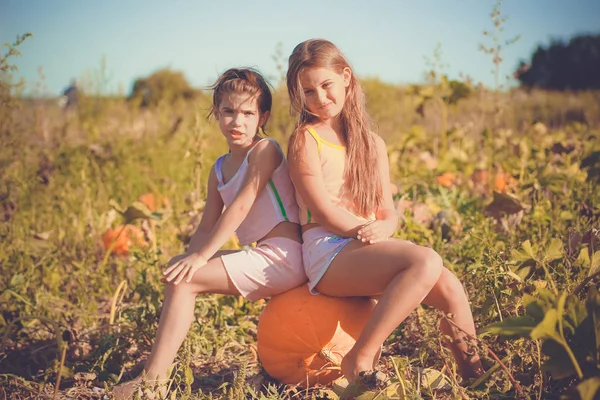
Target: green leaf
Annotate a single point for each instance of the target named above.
(588, 388)
(592, 304)
(16, 280)
(523, 272)
(583, 260)
(504, 204)
(433, 379)
(137, 210)
(516, 277)
(559, 367)
(594, 263)
(189, 376)
(560, 306)
(519, 326)
(546, 300)
(526, 253)
(547, 328)
(554, 251)
(576, 314)
(535, 310)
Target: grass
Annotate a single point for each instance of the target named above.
(68, 315)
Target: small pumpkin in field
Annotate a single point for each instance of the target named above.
(152, 202)
(503, 182)
(301, 336)
(447, 179)
(124, 238)
(480, 177)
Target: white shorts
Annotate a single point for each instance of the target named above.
(318, 251)
(272, 267)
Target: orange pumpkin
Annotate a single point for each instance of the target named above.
(150, 201)
(447, 179)
(480, 177)
(124, 239)
(504, 181)
(300, 335)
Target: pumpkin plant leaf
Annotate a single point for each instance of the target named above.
(594, 263)
(554, 251)
(583, 260)
(433, 379)
(137, 210)
(504, 204)
(575, 315)
(558, 364)
(514, 326)
(526, 253)
(547, 328)
(535, 310)
(593, 308)
(559, 367)
(589, 388)
(523, 272)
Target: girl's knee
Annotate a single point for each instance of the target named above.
(451, 287)
(181, 288)
(431, 265)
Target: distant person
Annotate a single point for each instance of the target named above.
(340, 170)
(71, 97)
(252, 183)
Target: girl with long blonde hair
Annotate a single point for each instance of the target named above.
(340, 170)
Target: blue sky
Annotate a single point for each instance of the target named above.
(384, 38)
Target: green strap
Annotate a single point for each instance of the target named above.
(278, 199)
(309, 216)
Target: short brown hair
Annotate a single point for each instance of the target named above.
(242, 80)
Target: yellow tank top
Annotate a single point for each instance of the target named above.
(333, 162)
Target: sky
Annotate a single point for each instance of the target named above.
(388, 39)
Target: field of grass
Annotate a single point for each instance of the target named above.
(503, 186)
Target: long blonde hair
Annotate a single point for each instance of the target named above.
(361, 178)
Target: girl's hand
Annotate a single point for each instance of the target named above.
(376, 231)
(179, 267)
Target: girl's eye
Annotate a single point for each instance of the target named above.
(308, 92)
(228, 111)
(327, 84)
(249, 113)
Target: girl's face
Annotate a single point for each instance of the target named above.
(239, 118)
(325, 91)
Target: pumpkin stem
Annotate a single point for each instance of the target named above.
(329, 356)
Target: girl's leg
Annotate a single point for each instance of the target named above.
(399, 271)
(448, 295)
(176, 318)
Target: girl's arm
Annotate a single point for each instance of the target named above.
(210, 215)
(307, 177)
(263, 160)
